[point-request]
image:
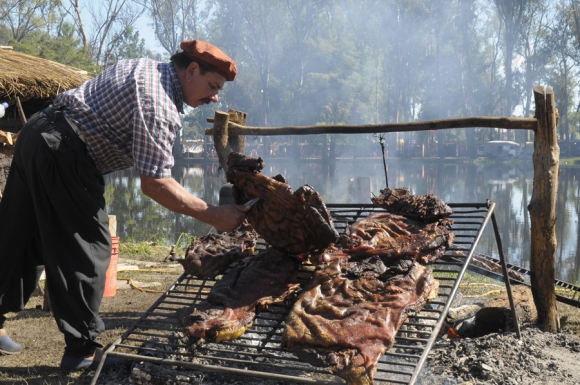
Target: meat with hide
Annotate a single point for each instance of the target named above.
(233, 302)
(427, 208)
(348, 324)
(394, 239)
(211, 254)
(294, 222)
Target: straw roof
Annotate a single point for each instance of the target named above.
(30, 77)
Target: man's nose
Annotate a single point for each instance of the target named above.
(214, 98)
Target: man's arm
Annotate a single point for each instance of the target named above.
(170, 194)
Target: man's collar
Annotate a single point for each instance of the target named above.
(177, 91)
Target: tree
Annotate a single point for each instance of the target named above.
(130, 45)
(62, 48)
(563, 69)
(22, 17)
(176, 20)
(108, 20)
(513, 15)
(534, 50)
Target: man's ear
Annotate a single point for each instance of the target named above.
(192, 68)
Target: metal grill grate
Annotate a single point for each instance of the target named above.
(155, 337)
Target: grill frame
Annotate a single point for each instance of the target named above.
(262, 357)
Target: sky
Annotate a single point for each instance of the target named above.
(146, 32)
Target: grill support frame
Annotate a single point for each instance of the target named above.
(401, 340)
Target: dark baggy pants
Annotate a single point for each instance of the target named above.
(52, 216)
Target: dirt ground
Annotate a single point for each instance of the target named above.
(36, 330)
(43, 344)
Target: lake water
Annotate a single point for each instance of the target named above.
(508, 185)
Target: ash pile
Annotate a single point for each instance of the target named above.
(503, 359)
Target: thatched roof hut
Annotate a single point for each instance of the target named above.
(28, 84)
(33, 81)
(30, 77)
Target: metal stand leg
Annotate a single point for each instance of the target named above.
(505, 275)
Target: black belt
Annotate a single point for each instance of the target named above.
(69, 134)
(56, 116)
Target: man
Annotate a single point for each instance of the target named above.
(52, 210)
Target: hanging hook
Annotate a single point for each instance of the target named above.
(381, 138)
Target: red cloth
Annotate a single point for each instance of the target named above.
(211, 56)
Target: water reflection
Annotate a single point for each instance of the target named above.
(510, 186)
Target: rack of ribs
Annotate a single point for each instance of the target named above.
(212, 254)
(294, 222)
(392, 238)
(347, 324)
(233, 302)
(426, 208)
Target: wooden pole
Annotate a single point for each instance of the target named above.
(220, 138)
(542, 210)
(474, 121)
(225, 141)
(237, 142)
(20, 110)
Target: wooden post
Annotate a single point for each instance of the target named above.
(220, 138)
(224, 142)
(542, 210)
(238, 142)
(113, 225)
(20, 110)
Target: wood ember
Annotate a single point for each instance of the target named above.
(348, 324)
(400, 201)
(294, 222)
(211, 254)
(231, 306)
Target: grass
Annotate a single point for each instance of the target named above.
(570, 162)
(154, 247)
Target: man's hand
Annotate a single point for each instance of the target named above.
(170, 194)
(229, 217)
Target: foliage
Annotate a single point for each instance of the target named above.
(130, 45)
(305, 62)
(62, 48)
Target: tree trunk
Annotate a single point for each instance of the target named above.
(542, 210)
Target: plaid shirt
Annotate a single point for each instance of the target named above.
(128, 116)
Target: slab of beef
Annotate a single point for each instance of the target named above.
(294, 222)
(480, 260)
(233, 302)
(395, 239)
(348, 324)
(426, 208)
(211, 254)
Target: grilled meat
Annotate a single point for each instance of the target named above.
(348, 324)
(211, 254)
(395, 237)
(294, 222)
(233, 302)
(427, 208)
(385, 243)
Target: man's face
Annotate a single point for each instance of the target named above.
(201, 88)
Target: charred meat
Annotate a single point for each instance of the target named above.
(427, 208)
(396, 237)
(294, 222)
(348, 324)
(211, 254)
(233, 302)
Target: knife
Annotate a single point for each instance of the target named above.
(251, 202)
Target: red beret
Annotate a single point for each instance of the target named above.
(211, 56)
